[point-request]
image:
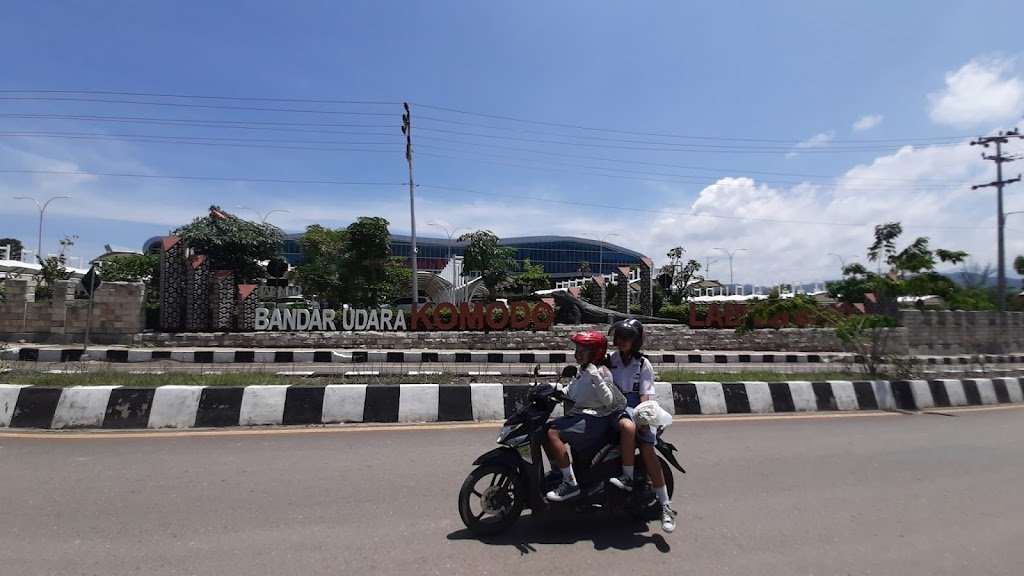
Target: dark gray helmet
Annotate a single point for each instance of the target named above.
(630, 328)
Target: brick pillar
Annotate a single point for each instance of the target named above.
(622, 298)
(223, 299)
(602, 290)
(198, 282)
(248, 301)
(172, 284)
(646, 287)
(63, 292)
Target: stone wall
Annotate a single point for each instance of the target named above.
(661, 337)
(119, 318)
(957, 332)
(118, 313)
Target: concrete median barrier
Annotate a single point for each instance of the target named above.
(121, 407)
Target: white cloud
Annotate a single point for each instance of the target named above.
(817, 141)
(867, 122)
(979, 94)
(793, 230)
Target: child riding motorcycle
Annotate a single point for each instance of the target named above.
(595, 399)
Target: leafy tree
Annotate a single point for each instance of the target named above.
(351, 265)
(866, 335)
(1018, 265)
(973, 275)
(16, 247)
(372, 273)
(53, 270)
(585, 267)
(914, 259)
(483, 255)
(131, 268)
(858, 281)
(233, 243)
(532, 278)
(684, 277)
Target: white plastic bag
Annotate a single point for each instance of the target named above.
(650, 413)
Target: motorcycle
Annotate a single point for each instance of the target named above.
(510, 478)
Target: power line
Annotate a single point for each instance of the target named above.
(636, 133)
(210, 178)
(668, 146)
(465, 190)
(882, 184)
(202, 97)
(675, 213)
(193, 141)
(184, 105)
(430, 118)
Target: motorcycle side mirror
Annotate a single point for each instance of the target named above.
(569, 372)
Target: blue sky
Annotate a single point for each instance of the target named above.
(786, 129)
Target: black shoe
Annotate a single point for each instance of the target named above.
(623, 482)
(564, 491)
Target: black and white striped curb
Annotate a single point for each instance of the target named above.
(217, 356)
(117, 407)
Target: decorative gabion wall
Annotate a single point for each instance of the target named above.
(172, 284)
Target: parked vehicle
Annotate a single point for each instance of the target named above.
(405, 303)
(510, 478)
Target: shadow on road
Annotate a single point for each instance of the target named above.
(618, 532)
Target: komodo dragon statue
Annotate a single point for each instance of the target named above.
(572, 310)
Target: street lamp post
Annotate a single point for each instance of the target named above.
(449, 233)
(262, 217)
(600, 256)
(842, 258)
(731, 254)
(39, 241)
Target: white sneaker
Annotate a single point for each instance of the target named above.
(668, 518)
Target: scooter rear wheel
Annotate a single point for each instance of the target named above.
(491, 499)
(649, 508)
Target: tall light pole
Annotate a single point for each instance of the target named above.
(262, 217)
(39, 242)
(450, 234)
(842, 258)
(600, 240)
(730, 254)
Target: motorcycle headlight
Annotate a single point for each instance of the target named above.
(505, 430)
(505, 435)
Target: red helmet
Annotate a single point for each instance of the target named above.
(594, 341)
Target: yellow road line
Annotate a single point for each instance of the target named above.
(398, 427)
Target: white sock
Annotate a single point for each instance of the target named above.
(662, 495)
(627, 471)
(568, 476)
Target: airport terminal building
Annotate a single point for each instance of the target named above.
(560, 256)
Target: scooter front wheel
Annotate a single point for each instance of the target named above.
(491, 499)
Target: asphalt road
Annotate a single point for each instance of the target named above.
(863, 494)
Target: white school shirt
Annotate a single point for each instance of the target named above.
(636, 377)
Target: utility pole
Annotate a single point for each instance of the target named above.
(999, 159)
(707, 267)
(407, 130)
